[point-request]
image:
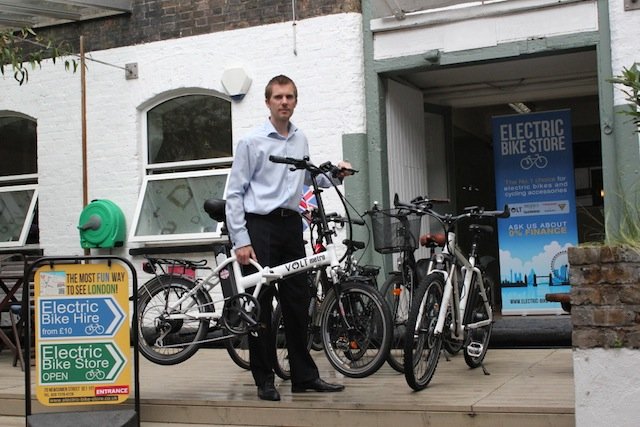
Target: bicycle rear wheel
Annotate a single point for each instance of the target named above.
(397, 294)
(358, 343)
(422, 345)
(238, 349)
(170, 341)
(477, 340)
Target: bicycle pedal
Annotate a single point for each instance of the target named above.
(475, 349)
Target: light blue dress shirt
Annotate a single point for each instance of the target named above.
(259, 186)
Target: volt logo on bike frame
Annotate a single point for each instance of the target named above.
(533, 157)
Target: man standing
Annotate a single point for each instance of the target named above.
(264, 225)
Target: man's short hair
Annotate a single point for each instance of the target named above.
(279, 80)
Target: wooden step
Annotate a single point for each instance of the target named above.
(526, 387)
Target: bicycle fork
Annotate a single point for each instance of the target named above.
(475, 349)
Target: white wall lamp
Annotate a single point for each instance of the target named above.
(236, 82)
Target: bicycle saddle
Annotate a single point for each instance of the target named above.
(216, 209)
(433, 240)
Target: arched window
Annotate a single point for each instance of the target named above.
(188, 129)
(188, 151)
(18, 180)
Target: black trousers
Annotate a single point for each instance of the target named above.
(277, 240)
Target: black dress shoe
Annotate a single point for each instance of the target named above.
(316, 385)
(268, 392)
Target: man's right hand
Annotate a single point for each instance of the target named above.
(244, 254)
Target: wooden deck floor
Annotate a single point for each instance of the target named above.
(526, 387)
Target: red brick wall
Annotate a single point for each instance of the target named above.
(605, 296)
(154, 20)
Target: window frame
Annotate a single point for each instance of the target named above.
(177, 170)
(186, 164)
(173, 238)
(28, 220)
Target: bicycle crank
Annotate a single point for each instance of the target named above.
(240, 313)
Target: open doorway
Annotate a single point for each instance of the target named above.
(469, 96)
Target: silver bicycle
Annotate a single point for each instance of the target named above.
(454, 301)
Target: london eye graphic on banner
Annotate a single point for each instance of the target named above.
(534, 176)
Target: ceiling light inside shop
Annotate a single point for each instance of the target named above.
(520, 107)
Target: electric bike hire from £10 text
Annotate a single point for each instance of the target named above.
(454, 300)
(175, 316)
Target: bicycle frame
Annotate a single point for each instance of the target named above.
(263, 275)
(452, 294)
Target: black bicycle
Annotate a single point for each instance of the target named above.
(319, 285)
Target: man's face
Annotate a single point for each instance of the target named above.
(282, 102)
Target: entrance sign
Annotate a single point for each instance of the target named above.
(533, 156)
(82, 334)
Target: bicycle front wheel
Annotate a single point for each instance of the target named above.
(477, 340)
(238, 349)
(422, 345)
(357, 343)
(167, 341)
(281, 356)
(397, 294)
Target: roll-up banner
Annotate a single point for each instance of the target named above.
(534, 176)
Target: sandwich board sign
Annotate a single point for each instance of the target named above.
(82, 334)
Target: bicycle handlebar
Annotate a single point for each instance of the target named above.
(420, 205)
(471, 212)
(304, 163)
(334, 217)
(424, 206)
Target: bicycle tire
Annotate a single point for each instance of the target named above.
(181, 337)
(281, 353)
(479, 335)
(358, 352)
(450, 344)
(238, 349)
(422, 349)
(321, 283)
(397, 294)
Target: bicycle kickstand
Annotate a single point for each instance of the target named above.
(484, 370)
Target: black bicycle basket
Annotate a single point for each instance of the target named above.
(395, 230)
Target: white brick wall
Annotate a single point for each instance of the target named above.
(328, 70)
(625, 32)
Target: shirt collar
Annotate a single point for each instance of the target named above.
(270, 131)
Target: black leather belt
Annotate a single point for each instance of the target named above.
(282, 213)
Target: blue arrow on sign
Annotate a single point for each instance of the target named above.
(79, 317)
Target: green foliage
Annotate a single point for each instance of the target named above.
(627, 233)
(630, 79)
(24, 48)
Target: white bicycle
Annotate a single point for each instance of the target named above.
(454, 301)
(175, 314)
